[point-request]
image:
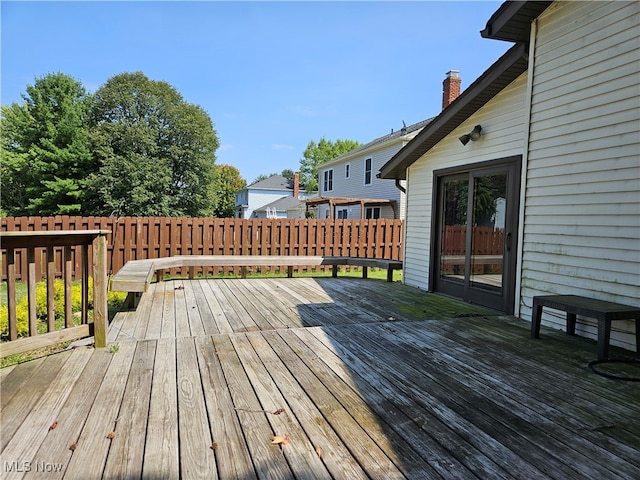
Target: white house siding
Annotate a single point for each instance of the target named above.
(354, 187)
(503, 127)
(260, 198)
(582, 229)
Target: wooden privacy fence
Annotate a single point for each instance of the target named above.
(138, 238)
(487, 249)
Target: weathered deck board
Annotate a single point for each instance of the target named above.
(231, 452)
(89, 458)
(161, 455)
(375, 380)
(197, 459)
(267, 459)
(43, 418)
(425, 431)
(473, 417)
(23, 401)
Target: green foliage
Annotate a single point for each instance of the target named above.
(288, 174)
(318, 153)
(227, 183)
(45, 149)
(135, 148)
(155, 152)
(22, 307)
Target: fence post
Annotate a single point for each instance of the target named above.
(100, 314)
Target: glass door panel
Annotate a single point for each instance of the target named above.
(488, 224)
(454, 230)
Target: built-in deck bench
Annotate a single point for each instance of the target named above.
(573, 305)
(136, 275)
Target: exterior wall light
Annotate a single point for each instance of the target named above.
(473, 135)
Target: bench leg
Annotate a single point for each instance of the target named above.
(365, 272)
(571, 323)
(604, 334)
(290, 271)
(334, 271)
(131, 300)
(536, 318)
(637, 337)
(389, 274)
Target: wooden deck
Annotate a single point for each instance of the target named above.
(366, 379)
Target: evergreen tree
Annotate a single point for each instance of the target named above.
(45, 149)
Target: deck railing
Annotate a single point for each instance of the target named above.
(49, 245)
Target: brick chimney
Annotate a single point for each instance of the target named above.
(296, 185)
(450, 88)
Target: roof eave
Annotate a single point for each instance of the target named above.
(512, 21)
(504, 71)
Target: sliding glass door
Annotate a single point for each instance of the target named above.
(476, 218)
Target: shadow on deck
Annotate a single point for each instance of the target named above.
(364, 378)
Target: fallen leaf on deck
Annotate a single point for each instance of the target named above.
(278, 440)
(214, 446)
(73, 446)
(278, 411)
(111, 435)
(319, 451)
(179, 287)
(53, 425)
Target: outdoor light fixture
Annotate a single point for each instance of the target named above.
(473, 135)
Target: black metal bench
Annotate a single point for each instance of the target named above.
(604, 312)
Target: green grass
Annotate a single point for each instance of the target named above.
(21, 292)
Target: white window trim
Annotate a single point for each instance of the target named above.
(327, 182)
(370, 171)
(372, 210)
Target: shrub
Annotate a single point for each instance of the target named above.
(22, 307)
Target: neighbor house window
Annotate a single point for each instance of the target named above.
(342, 213)
(367, 171)
(372, 212)
(347, 170)
(328, 180)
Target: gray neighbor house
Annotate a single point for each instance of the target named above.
(538, 160)
(348, 184)
(273, 197)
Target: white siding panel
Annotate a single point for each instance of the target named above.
(503, 124)
(582, 223)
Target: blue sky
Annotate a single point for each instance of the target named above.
(271, 75)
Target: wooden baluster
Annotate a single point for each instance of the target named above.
(67, 270)
(84, 249)
(51, 273)
(31, 291)
(11, 294)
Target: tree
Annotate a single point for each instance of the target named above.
(45, 149)
(155, 153)
(261, 177)
(227, 183)
(286, 173)
(318, 153)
